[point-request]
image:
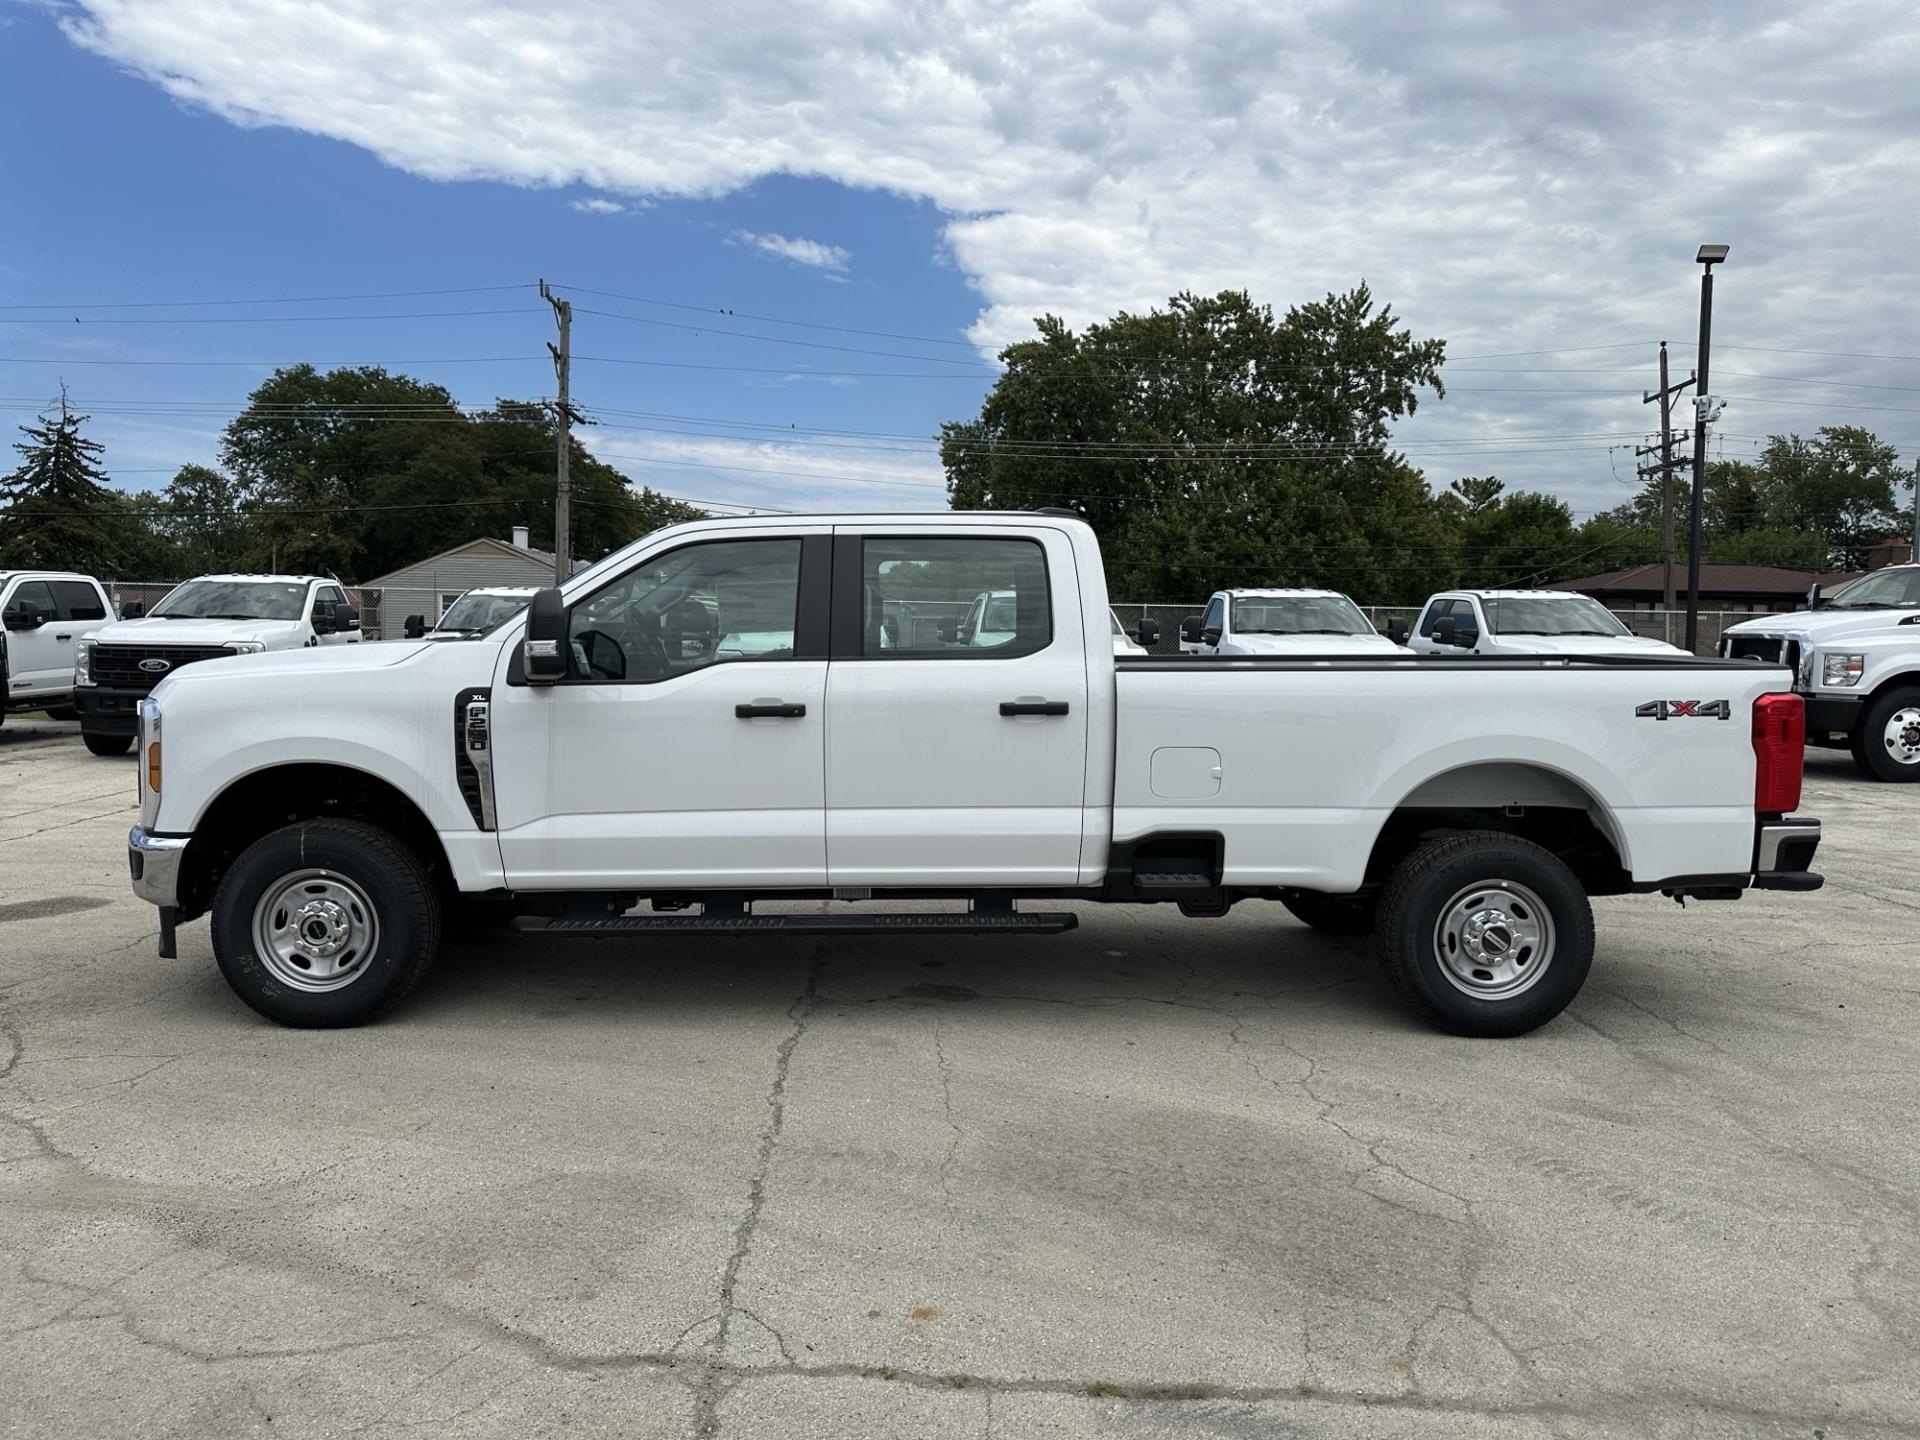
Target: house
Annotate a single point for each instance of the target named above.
(428, 587)
(1722, 587)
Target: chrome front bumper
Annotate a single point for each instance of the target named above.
(155, 863)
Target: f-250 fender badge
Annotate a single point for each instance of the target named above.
(1685, 710)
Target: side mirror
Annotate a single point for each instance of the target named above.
(1443, 632)
(324, 621)
(949, 631)
(1190, 630)
(1210, 636)
(415, 627)
(1397, 630)
(543, 654)
(346, 617)
(25, 617)
(1813, 596)
(1148, 634)
(132, 610)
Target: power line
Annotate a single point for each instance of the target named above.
(763, 319)
(272, 319)
(276, 300)
(779, 339)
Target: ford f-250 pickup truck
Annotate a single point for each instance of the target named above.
(574, 770)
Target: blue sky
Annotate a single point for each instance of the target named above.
(1527, 182)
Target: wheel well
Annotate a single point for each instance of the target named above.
(1553, 811)
(285, 794)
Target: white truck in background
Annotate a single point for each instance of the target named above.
(1281, 622)
(1855, 659)
(325, 811)
(484, 608)
(44, 615)
(1525, 622)
(209, 618)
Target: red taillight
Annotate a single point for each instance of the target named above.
(1779, 748)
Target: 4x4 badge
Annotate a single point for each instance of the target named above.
(1685, 709)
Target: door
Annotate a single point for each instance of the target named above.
(39, 643)
(685, 746)
(328, 622)
(952, 762)
(1213, 625)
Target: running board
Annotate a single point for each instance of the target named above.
(596, 927)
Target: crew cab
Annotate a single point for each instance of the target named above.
(473, 614)
(212, 617)
(43, 616)
(579, 771)
(1281, 622)
(1525, 622)
(1855, 659)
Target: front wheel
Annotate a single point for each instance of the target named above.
(325, 923)
(1485, 934)
(107, 744)
(1889, 736)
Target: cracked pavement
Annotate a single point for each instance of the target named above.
(1155, 1177)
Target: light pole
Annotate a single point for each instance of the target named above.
(1709, 256)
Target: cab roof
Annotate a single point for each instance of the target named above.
(1510, 594)
(270, 579)
(6, 575)
(1284, 593)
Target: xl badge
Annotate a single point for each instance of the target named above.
(1685, 710)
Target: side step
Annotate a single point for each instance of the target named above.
(596, 927)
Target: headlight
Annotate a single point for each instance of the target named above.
(83, 662)
(246, 647)
(1841, 670)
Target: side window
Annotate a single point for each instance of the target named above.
(928, 598)
(78, 601)
(33, 595)
(690, 608)
(1435, 611)
(1216, 616)
(1465, 622)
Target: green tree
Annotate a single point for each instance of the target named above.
(200, 516)
(58, 510)
(1478, 493)
(1838, 485)
(1210, 442)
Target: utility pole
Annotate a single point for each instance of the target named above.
(1709, 256)
(563, 490)
(1914, 552)
(1664, 468)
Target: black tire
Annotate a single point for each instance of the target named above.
(1872, 746)
(1856, 747)
(107, 744)
(404, 905)
(1333, 914)
(1434, 883)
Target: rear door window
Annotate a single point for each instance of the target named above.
(77, 600)
(927, 598)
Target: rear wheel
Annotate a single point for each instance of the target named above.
(325, 923)
(1332, 914)
(107, 744)
(1889, 736)
(1485, 934)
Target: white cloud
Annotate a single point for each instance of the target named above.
(774, 474)
(597, 205)
(811, 253)
(1512, 176)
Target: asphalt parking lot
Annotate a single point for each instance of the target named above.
(1155, 1177)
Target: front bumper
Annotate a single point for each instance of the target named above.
(154, 861)
(1832, 714)
(107, 711)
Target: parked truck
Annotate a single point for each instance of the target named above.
(1280, 622)
(209, 618)
(43, 616)
(1526, 622)
(326, 811)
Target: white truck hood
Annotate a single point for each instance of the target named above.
(159, 630)
(1307, 645)
(1823, 625)
(1584, 645)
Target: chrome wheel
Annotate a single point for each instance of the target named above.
(1494, 940)
(1902, 736)
(315, 930)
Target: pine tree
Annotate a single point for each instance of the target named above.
(56, 512)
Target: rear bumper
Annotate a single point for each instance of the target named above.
(107, 711)
(1783, 848)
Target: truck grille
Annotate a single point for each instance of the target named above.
(1770, 648)
(119, 665)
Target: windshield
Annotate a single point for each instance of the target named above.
(233, 600)
(1000, 617)
(475, 614)
(1538, 615)
(1888, 590)
(1299, 615)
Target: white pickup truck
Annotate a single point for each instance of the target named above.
(43, 616)
(208, 618)
(1525, 622)
(326, 810)
(1281, 622)
(1855, 658)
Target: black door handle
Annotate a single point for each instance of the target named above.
(63, 637)
(1033, 707)
(775, 710)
